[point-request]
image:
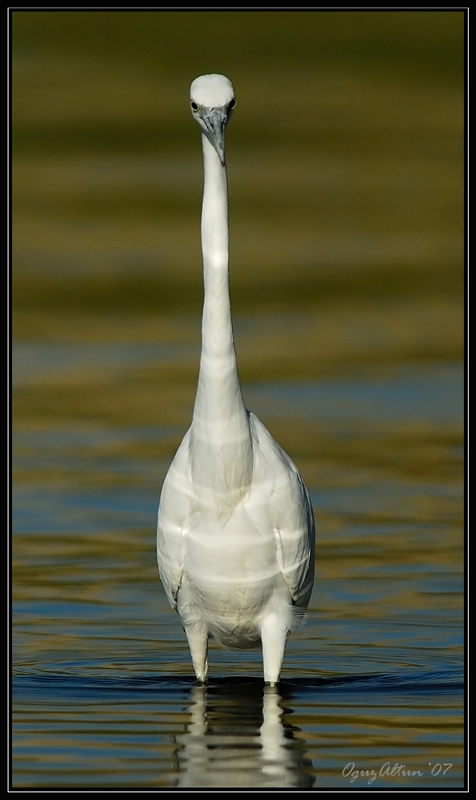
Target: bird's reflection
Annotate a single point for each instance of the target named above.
(237, 737)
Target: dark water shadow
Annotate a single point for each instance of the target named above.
(448, 681)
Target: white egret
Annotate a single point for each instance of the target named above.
(235, 534)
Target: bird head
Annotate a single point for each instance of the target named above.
(212, 100)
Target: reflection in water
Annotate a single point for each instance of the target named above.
(237, 736)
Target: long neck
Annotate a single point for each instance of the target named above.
(221, 447)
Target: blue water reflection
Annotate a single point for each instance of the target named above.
(420, 393)
(236, 732)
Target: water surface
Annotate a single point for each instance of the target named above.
(103, 689)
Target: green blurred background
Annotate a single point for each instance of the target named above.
(345, 160)
(345, 156)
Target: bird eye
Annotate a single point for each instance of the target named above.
(232, 104)
(194, 105)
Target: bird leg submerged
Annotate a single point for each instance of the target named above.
(274, 635)
(197, 637)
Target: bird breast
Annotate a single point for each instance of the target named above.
(231, 577)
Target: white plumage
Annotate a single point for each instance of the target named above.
(235, 534)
